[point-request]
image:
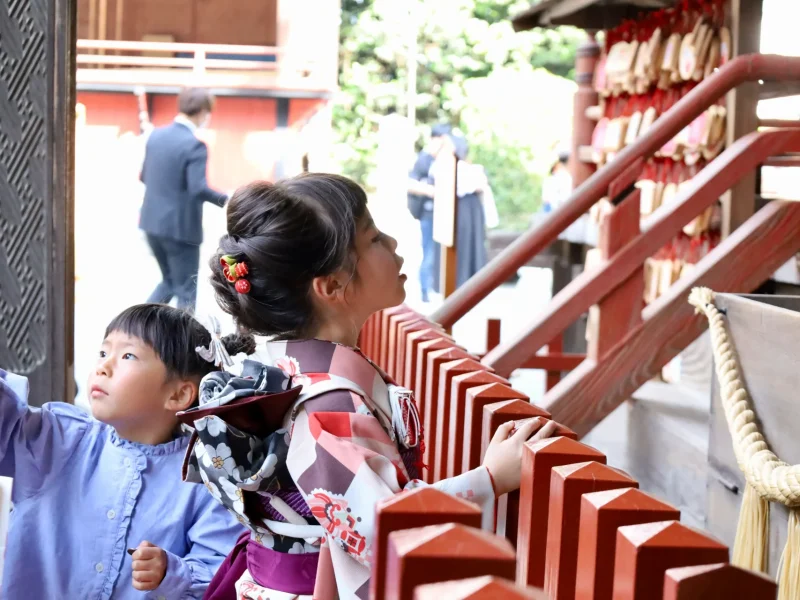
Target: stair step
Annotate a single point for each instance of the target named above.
(660, 437)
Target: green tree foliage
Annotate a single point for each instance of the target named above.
(464, 46)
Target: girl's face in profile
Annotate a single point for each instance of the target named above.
(378, 283)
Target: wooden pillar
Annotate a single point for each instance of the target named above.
(37, 124)
(744, 21)
(582, 127)
(445, 217)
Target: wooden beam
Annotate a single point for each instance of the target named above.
(741, 262)
(744, 21)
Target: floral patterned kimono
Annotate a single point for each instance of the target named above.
(308, 491)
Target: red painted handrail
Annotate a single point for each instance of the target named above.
(741, 69)
(592, 285)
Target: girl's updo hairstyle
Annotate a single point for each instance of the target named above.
(287, 233)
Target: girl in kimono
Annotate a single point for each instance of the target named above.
(304, 264)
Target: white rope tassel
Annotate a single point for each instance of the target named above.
(768, 478)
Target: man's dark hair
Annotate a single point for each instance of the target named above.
(174, 335)
(193, 101)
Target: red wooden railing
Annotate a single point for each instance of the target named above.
(737, 71)
(577, 528)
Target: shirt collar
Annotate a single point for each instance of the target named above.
(186, 122)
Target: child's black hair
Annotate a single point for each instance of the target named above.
(174, 334)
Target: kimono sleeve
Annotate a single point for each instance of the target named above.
(344, 462)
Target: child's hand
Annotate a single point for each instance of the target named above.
(504, 455)
(149, 566)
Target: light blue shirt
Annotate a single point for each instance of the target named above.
(83, 496)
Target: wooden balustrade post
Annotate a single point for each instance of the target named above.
(435, 362)
(382, 353)
(408, 333)
(602, 513)
(567, 485)
(645, 552)
(421, 377)
(418, 508)
(413, 353)
(492, 334)
(375, 349)
(495, 415)
(391, 348)
(476, 400)
(478, 588)
(538, 460)
(620, 311)
(365, 335)
(443, 443)
(404, 329)
(443, 553)
(457, 424)
(717, 582)
(199, 62)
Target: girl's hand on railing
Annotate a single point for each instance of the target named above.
(504, 455)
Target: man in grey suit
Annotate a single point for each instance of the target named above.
(174, 175)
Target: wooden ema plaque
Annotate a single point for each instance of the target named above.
(479, 588)
(418, 508)
(475, 401)
(413, 342)
(538, 459)
(391, 350)
(717, 582)
(602, 513)
(447, 372)
(567, 485)
(404, 330)
(645, 552)
(421, 378)
(435, 362)
(443, 553)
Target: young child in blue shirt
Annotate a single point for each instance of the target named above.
(88, 488)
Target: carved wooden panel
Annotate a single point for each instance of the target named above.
(36, 125)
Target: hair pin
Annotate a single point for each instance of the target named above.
(235, 272)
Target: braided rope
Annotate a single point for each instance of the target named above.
(773, 479)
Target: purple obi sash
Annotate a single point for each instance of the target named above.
(290, 573)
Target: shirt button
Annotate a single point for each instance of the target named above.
(162, 598)
(111, 514)
(127, 462)
(99, 567)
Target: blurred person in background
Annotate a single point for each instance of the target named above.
(420, 204)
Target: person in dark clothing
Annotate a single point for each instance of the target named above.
(174, 175)
(472, 184)
(420, 204)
